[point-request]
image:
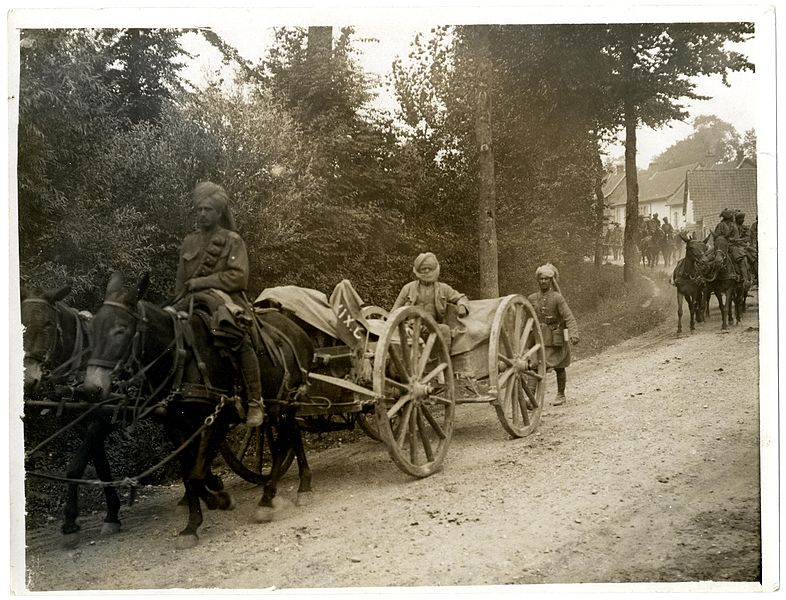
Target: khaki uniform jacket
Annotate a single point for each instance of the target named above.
(443, 294)
(555, 315)
(218, 260)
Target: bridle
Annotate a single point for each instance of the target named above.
(77, 351)
(132, 362)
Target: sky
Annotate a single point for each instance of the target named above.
(734, 104)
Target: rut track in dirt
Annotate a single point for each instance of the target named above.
(649, 473)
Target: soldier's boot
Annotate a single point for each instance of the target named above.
(249, 368)
(562, 378)
(559, 399)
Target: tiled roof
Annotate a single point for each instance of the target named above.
(712, 191)
(656, 186)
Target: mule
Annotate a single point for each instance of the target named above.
(721, 279)
(690, 284)
(178, 361)
(55, 340)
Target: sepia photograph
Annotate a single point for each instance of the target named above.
(403, 300)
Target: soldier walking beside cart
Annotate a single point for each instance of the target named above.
(555, 317)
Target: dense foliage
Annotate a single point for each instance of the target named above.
(323, 186)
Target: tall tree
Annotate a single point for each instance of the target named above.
(144, 70)
(487, 204)
(651, 71)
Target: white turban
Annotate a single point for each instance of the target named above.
(430, 260)
(548, 270)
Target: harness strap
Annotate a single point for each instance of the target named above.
(188, 336)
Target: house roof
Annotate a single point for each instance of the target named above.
(712, 191)
(660, 185)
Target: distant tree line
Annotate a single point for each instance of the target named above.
(112, 139)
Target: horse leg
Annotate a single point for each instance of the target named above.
(268, 509)
(723, 310)
(101, 463)
(208, 449)
(76, 468)
(679, 313)
(692, 311)
(205, 453)
(304, 491)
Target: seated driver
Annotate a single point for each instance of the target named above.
(431, 295)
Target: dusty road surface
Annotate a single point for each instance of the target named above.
(649, 473)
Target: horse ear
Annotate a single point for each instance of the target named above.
(144, 283)
(56, 295)
(115, 285)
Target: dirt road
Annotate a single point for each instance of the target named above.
(649, 473)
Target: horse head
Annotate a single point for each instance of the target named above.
(41, 333)
(115, 326)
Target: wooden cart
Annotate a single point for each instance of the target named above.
(400, 380)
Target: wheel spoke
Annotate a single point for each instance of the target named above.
(414, 357)
(505, 359)
(503, 379)
(535, 374)
(522, 403)
(403, 425)
(518, 312)
(397, 406)
(432, 338)
(399, 362)
(413, 447)
(503, 336)
(531, 351)
(434, 372)
(433, 422)
(533, 401)
(396, 384)
(440, 399)
(247, 437)
(405, 351)
(424, 437)
(526, 333)
(512, 398)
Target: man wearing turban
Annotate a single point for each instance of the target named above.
(727, 229)
(555, 317)
(213, 263)
(430, 294)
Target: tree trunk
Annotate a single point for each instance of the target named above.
(600, 206)
(630, 249)
(487, 212)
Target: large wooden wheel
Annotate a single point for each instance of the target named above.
(413, 379)
(248, 452)
(367, 421)
(517, 366)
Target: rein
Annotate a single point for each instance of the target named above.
(79, 348)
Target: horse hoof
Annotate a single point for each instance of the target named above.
(265, 514)
(304, 499)
(70, 540)
(186, 541)
(109, 528)
(226, 501)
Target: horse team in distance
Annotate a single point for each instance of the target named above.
(724, 264)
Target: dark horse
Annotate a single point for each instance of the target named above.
(690, 284)
(649, 247)
(176, 357)
(56, 343)
(721, 279)
(55, 339)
